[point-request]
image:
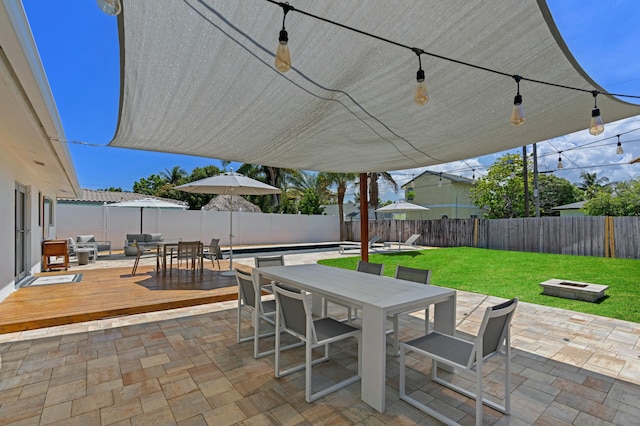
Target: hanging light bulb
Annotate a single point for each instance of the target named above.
(421, 95)
(283, 56)
(619, 150)
(560, 160)
(110, 7)
(473, 178)
(440, 181)
(597, 126)
(517, 114)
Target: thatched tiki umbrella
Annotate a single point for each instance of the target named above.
(225, 203)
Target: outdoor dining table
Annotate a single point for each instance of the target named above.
(166, 248)
(378, 297)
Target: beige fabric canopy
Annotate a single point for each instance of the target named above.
(198, 78)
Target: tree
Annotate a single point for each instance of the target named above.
(555, 191)
(591, 184)
(341, 180)
(150, 185)
(310, 203)
(621, 199)
(501, 191)
(112, 189)
(374, 193)
(175, 176)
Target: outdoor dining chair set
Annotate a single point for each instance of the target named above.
(290, 312)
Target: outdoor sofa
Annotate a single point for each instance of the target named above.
(145, 242)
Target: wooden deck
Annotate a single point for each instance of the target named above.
(111, 292)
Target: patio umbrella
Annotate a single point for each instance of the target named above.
(148, 203)
(229, 184)
(401, 207)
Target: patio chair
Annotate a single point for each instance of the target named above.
(494, 333)
(247, 291)
(370, 244)
(422, 276)
(191, 253)
(264, 261)
(137, 261)
(367, 268)
(294, 317)
(100, 245)
(214, 252)
(409, 242)
(73, 247)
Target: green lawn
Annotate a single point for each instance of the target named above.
(509, 274)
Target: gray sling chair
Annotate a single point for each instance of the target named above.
(264, 261)
(367, 268)
(294, 317)
(421, 276)
(266, 311)
(494, 333)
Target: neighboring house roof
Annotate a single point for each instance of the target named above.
(101, 197)
(447, 176)
(572, 206)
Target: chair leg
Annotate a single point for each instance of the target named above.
(396, 336)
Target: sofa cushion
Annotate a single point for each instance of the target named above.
(136, 237)
(85, 239)
(154, 238)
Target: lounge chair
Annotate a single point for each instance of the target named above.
(411, 241)
(354, 246)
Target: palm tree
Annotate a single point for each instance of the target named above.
(591, 184)
(174, 176)
(374, 196)
(341, 180)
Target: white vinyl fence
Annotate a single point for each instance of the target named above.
(113, 223)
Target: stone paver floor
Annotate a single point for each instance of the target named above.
(184, 367)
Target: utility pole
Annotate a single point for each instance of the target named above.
(536, 194)
(525, 175)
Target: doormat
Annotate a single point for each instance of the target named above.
(53, 279)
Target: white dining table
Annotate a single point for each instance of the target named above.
(377, 297)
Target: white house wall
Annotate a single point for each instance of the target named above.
(113, 223)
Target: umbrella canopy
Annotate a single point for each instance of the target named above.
(228, 202)
(149, 203)
(229, 184)
(401, 207)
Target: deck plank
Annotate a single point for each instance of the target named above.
(110, 292)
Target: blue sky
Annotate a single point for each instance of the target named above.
(78, 45)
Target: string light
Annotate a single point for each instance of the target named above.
(517, 114)
(596, 127)
(560, 160)
(473, 177)
(440, 181)
(283, 56)
(110, 7)
(421, 95)
(619, 149)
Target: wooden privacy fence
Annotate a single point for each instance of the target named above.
(584, 236)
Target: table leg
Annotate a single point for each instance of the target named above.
(374, 355)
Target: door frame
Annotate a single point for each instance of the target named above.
(22, 232)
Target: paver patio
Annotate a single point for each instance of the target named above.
(183, 366)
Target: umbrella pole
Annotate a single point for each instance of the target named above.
(230, 272)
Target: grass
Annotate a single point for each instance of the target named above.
(517, 274)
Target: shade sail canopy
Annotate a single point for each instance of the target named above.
(198, 78)
(229, 184)
(401, 207)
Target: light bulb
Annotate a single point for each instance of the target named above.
(619, 150)
(110, 7)
(517, 114)
(283, 57)
(560, 162)
(597, 126)
(421, 95)
(440, 183)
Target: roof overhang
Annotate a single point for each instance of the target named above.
(198, 78)
(31, 134)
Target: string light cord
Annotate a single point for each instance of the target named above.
(418, 51)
